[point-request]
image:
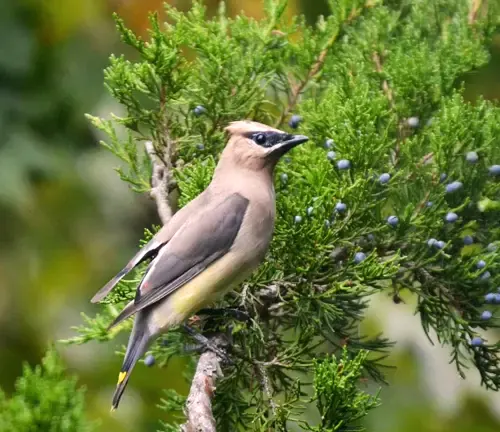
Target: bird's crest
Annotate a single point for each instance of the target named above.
(244, 126)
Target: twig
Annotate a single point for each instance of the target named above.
(267, 386)
(160, 183)
(475, 8)
(198, 409)
(385, 85)
(317, 65)
(386, 88)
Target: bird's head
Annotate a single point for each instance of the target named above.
(257, 146)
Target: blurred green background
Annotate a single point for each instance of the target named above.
(68, 223)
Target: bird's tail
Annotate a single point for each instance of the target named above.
(137, 346)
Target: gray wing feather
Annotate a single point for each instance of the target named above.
(148, 251)
(201, 241)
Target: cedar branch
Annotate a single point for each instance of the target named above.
(160, 183)
(198, 410)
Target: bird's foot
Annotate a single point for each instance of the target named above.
(205, 343)
(226, 312)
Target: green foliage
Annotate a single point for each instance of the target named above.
(172, 403)
(355, 77)
(45, 400)
(340, 403)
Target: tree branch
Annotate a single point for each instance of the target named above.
(475, 9)
(389, 93)
(160, 184)
(198, 409)
(318, 64)
(385, 85)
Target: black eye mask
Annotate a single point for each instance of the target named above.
(268, 139)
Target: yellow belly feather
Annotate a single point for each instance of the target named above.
(200, 292)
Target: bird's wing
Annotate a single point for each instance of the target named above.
(152, 248)
(149, 250)
(204, 238)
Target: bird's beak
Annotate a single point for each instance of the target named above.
(295, 140)
(285, 146)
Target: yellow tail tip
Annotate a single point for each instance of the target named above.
(113, 409)
(121, 377)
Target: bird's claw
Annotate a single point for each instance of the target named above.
(206, 344)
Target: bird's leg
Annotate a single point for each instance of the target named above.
(206, 343)
(228, 312)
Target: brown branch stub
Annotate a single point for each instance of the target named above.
(389, 94)
(198, 410)
(385, 85)
(475, 9)
(160, 183)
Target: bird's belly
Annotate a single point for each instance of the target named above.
(202, 291)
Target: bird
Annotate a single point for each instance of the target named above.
(210, 245)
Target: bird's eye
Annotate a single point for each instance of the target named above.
(260, 139)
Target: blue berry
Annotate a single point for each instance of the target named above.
(413, 122)
(392, 220)
(492, 247)
(284, 177)
(472, 157)
(490, 298)
(485, 276)
(149, 360)
(429, 203)
(451, 217)
(329, 143)
(476, 341)
(431, 242)
(468, 240)
(494, 170)
(340, 207)
(440, 244)
(200, 146)
(496, 298)
(358, 257)
(343, 164)
(295, 121)
(297, 219)
(443, 177)
(287, 159)
(384, 178)
(331, 155)
(370, 237)
(454, 186)
(486, 315)
(327, 224)
(310, 211)
(481, 264)
(199, 110)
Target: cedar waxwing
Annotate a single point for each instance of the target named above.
(208, 246)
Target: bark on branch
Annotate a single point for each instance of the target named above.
(198, 410)
(160, 184)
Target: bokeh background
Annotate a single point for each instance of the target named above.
(67, 223)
